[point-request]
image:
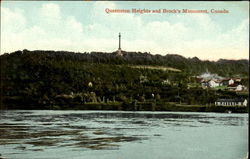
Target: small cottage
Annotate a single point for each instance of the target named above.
(239, 88)
(236, 87)
(226, 82)
(90, 84)
(237, 79)
(212, 84)
(230, 82)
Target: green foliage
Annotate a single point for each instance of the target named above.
(61, 80)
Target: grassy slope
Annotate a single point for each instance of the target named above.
(155, 67)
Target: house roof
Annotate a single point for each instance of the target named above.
(225, 80)
(199, 79)
(233, 85)
(230, 100)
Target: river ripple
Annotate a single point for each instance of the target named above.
(122, 135)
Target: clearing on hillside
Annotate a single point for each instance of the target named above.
(156, 68)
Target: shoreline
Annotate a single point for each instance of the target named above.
(145, 106)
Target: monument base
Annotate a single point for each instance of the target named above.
(119, 52)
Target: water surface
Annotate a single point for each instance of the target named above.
(122, 135)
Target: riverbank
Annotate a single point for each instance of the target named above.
(149, 106)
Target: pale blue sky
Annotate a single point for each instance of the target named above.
(85, 26)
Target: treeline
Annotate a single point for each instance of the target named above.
(226, 68)
(49, 79)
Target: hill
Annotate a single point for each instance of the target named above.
(41, 79)
(194, 65)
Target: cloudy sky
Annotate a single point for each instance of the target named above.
(85, 26)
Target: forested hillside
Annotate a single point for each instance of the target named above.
(41, 79)
(191, 65)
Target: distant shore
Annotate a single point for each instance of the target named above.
(132, 81)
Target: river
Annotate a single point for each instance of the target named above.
(47, 134)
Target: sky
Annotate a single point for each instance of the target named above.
(85, 26)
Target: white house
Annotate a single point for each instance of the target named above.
(239, 87)
(231, 102)
(212, 83)
(90, 84)
(237, 79)
(165, 82)
(230, 82)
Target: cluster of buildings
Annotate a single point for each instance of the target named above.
(208, 80)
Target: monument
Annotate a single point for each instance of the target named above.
(119, 51)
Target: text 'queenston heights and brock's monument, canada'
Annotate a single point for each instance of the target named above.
(166, 11)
